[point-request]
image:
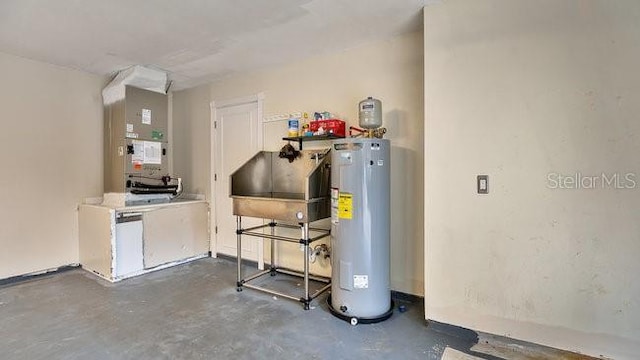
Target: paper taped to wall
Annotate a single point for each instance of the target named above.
(152, 152)
(138, 151)
(146, 116)
(146, 152)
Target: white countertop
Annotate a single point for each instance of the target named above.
(190, 199)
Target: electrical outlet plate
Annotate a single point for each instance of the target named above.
(483, 184)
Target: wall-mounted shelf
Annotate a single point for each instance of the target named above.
(301, 139)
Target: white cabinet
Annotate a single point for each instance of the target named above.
(129, 253)
(120, 242)
(172, 233)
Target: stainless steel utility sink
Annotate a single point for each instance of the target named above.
(271, 187)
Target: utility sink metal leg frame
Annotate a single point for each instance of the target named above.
(273, 269)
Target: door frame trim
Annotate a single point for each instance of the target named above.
(258, 99)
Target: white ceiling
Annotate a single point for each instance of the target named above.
(195, 41)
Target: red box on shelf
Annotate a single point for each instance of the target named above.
(331, 126)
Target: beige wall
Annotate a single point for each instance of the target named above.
(390, 70)
(51, 156)
(519, 90)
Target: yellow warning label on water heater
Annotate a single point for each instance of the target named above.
(345, 206)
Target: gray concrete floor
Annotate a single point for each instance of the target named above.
(193, 311)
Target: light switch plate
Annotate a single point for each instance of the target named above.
(483, 184)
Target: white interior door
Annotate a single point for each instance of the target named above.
(237, 137)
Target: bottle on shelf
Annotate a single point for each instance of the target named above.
(294, 126)
(304, 128)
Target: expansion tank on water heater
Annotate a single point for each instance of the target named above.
(360, 234)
